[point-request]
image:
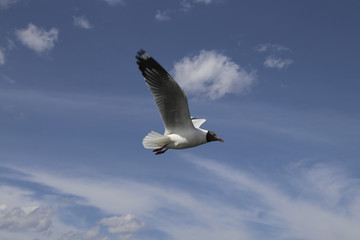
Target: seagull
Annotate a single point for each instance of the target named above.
(181, 130)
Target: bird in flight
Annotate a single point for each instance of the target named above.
(181, 130)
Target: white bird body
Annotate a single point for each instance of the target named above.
(181, 131)
(187, 139)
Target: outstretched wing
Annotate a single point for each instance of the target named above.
(170, 99)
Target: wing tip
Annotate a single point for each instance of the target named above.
(142, 55)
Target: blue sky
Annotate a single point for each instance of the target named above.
(277, 80)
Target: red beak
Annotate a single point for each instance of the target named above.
(220, 140)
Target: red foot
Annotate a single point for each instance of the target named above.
(160, 150)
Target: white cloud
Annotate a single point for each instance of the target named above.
(114, 2)
(185, 5)
(276, 50)
(277, 62)
(2, 57)
(34, 219)
(212, 74)
(300, 217)
(74, 104)
(204, 1)
(10, 44)
(124, 226)
(6, 3)
(271, 47)
(37, 38)
(235, 201)
(82, 22)
(162, 15)
(179, 214)
(328, 183)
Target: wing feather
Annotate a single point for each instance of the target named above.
(198, 122)
(170, 99)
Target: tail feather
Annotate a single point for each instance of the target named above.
(155, 140)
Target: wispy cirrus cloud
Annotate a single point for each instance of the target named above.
(90, 234)
(37, 39)
(277, 62)
(2, 57)
(171, 211)
(247, 207)
(212, 75)
(10, 44)
(114, 2)
(45, 102)
(275, 59)
(237, 203)
(186, 6)
(82, 22)
(6, 78)
(204, 1)
(162, 15)
(6, 3)
(271, 47)
(302, 217)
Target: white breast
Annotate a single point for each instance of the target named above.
(187, 139)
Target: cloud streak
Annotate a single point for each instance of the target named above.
(298, 217)
(277, 62)
(272, 47)
(162, 15)
(2, 57)
(175, 212)
(204, 1)
(6, 3)
(114, 2)
(49, 103)
(274, 60)
(314, 202)
(91, 234)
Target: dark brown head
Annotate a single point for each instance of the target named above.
(211, 136)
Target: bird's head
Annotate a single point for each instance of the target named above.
(211, 136)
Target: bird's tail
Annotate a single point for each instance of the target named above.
(155, 140)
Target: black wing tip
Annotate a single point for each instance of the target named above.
(145, 61)
(142, 55)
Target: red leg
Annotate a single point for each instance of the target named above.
(161, 152)
(159, 149)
